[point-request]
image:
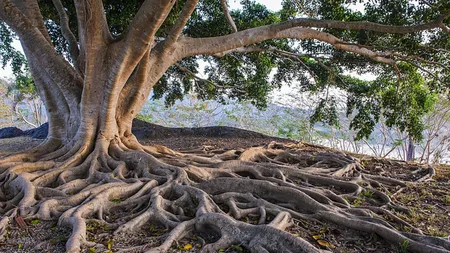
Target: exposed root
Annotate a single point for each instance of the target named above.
(207, 193)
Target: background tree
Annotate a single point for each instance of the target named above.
(25, 100)
(436, 138)
(5, 108)
(95, 62)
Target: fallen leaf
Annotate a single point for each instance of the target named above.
(325, 244)
(109, 245)
(187, 246)
(316, 237)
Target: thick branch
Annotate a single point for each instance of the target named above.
(67, 79)
(145, 24)
(134, 94)
(93, 28)
(224, 43)
(66, 32)
(227, 46)
(30, 8)
(176, 30)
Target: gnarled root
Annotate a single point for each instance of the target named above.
(126, 186)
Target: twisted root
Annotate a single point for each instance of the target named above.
(204, 193)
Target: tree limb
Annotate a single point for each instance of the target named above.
(66, 32)
(445, 28)
(213, 45)
(16, 111)
(93, 28)
(230, 20)
(62, 73)
(145, 24)
(190, 73)
(30, 8)
(176, 30)
(228, 43)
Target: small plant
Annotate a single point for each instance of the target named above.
(367, 193)
(35, 222)
(116, 201)
(404, 247)
(362, 183)
(447, 199)
(357, 202)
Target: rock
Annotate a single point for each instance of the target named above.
(10, 132)
(145, 130)
(38, 133)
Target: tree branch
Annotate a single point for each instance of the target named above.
(93, 28)
(16, 111)
(278, 52)
(230, 20)
(307, 12)
(134, 92)
(145, 24)
(30, 9)
(213, 45)
(190, 73)
(177, 29)
(225, 44)
(62, 73)
(445, 28)
(66, 32)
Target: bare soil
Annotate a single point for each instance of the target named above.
(429, 203)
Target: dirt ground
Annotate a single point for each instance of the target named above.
(429, 203)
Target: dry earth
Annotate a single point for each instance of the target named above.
(429, 204)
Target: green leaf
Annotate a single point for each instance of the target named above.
(238, 248)
(110, 244)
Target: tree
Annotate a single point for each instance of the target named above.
(95, 62)
(436, 142)
(24, 94)
(5, 109)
